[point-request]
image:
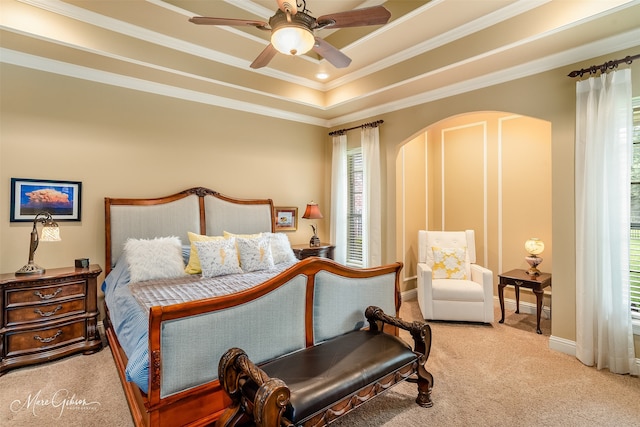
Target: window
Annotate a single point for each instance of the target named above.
(354, 208)
(634, 262)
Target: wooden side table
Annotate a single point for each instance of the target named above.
(519, 278)
(48, 316)
(325, 250)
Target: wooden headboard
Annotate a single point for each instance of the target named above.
(199, 210)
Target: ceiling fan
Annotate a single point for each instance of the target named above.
(292, 30)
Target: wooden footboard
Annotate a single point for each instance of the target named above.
(202, 404)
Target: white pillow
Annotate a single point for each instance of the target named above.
(281, 248)
(449, 263)
(193, 265)
(159, 258)
(218, 257)
(255, 254)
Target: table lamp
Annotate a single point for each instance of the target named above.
(534, 247)
(313, 212)
(50, 233)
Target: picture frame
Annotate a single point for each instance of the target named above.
(286, 219)
(62, 199)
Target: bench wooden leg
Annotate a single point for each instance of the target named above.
(425, 385)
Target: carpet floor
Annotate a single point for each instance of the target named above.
(485, 375)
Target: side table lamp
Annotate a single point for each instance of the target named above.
(50, 233)
(534, 247)
(313, 212)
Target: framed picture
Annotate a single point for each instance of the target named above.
(286, 219)
(62, 199)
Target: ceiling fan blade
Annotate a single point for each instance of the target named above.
(331, 54)
(205, 20)
(376, 15)
(265, 56)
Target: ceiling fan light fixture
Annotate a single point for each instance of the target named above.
(292, 40)
(292, 34)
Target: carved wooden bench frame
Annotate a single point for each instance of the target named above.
(267, 406)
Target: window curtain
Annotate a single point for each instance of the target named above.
(604, 141)
(339, 197)
(371, 215)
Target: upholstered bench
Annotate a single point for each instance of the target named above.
(316, 385)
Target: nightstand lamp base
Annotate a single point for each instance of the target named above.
(315, 241)
(30, 268)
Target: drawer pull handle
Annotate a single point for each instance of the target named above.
(48, 340)
(47, 296)
(519, 283)
(47, 313)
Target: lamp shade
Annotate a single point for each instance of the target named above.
(312, 211)
(50, 232)
(534, 246)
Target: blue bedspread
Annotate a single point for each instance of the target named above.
(129, 313)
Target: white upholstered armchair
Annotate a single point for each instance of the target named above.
(451, 286)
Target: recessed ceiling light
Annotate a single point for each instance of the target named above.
(322, 76)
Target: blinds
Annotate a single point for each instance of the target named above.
(354, 210)
(634, 249)
(634, 276)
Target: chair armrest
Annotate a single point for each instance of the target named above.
(424, 268)
(482, 275)
(424, 289)
(420, 331)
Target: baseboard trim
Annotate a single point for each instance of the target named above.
(562, 345)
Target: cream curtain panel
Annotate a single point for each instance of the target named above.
(604, 140)
(338, 227)
(371, 215)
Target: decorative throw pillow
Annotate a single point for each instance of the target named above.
(218, 257)
(193, 267)
(159, 258)
(255, 254)
(449, 263)
(281, 248)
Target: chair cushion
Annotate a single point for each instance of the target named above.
(322, 375)
(457, 290)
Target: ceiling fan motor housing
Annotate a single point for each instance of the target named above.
(292, 34)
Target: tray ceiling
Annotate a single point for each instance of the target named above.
(428, 50)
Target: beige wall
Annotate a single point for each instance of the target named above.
(123, 143)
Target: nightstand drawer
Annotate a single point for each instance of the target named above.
(40, 312)
(46, 293)
(512, 281)
(45, 338)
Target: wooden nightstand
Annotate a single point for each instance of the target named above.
(48, 316)
(325, 250)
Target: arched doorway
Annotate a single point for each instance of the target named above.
(487, 171)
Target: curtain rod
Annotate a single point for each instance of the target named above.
(603, 67)
(364, 125)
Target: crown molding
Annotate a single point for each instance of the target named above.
(13, 57)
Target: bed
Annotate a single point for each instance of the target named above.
(168, 330)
